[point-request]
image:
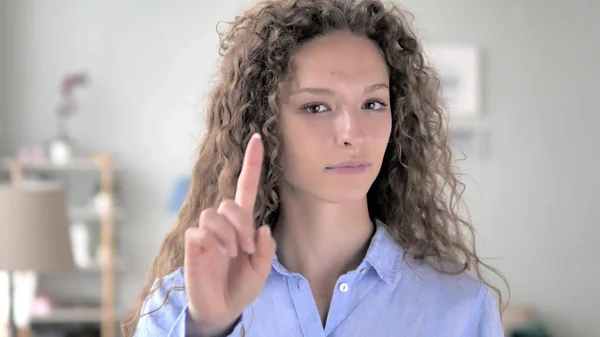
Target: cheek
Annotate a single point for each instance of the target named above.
(379, 130)
(306, 144)
(304, 135)
(302, 146)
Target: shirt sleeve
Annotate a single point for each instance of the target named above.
(486, 320)
(170, 317)
(190, 330)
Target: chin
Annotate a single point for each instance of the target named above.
(332, 191)
(345, 195)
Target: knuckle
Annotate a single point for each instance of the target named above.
(206, 217)
(189, 233)
(227, 205)
(194, 236)
(212, 226)
(232, 212)
(215, 224)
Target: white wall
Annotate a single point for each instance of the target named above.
(536, 208)
(151, 61)
(3, 113)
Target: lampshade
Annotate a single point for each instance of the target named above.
(34, 228)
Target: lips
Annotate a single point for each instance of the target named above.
(350, 164)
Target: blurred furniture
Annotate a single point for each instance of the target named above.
(34, 239)
(530, 330)
(520, 321)
(103, 214)
(516, 315)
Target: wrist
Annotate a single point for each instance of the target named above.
(197, 328)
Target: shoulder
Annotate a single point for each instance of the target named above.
(438, 280)
(447, 283)
(455, 296)
(164, 305)
(441, 285)
(169, 288)
(443, 278)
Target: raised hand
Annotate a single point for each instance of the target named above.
(227, 260)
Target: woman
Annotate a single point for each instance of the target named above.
(323, 201)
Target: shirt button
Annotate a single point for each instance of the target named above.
(363, 271)
(343, 287)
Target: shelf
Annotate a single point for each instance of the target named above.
(72, 315)
(90, 313)
(76, 164)
(89, 214)
(69, 316)
(94, 266)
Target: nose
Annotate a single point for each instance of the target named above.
(349, 128)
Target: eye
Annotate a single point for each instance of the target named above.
(374, 105)
(315, 108)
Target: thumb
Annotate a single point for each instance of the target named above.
(265, 248)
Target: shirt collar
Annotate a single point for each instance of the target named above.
(383, 254)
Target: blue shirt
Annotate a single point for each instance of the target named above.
(384, 296)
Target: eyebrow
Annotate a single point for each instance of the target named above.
(326, 91)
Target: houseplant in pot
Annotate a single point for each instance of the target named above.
(61, 147)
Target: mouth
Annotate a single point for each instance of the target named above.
(350, 167)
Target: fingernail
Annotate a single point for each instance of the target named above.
(268, 230)
(257, 135)
(233, 253)
(222, 250)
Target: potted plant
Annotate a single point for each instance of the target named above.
(61, 150)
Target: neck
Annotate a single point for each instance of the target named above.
(321, 240)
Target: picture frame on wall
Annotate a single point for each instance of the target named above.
(458, 68)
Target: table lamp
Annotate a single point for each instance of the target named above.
(34, 234)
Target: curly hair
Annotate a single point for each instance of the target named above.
(417, 192)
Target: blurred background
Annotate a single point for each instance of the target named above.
(84, 84)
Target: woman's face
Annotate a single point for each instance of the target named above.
(336, 118)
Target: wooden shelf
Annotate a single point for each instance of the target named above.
(105, 314)
(89, 214)
(69, 316)
(77, 164)
(94, 266)
(74, 315)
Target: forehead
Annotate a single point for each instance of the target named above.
(339, 57)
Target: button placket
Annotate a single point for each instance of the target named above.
(305, 307)
(339, 302)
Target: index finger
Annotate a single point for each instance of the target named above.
(247, 184)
